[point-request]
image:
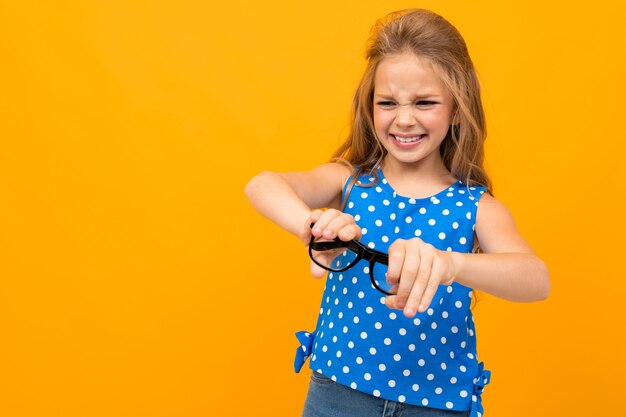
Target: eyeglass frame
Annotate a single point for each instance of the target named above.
(361, 250)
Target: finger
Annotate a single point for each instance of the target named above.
(420, 284)
(409, 274)
(321, 226)
(432, 287)
(317, 271)
(350, 231)
(396, 260)
(337, 223)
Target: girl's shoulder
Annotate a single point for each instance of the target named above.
(495, 227)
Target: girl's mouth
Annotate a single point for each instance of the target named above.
(408, 139)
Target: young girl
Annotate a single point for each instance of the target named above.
(409, 181)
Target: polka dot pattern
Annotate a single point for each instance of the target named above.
(429, 360)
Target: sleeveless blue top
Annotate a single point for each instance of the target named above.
(429, 360)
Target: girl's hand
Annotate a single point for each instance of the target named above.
(417, 269)
(328, 225)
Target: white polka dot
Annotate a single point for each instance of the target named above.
(350, 205)
(430, 377)
(325, 348)
(369, 310)
(372, 351)
(386, 202)
(454, 329)
(430, 311)
(382, 367)
(378, 223)
(424, 402)
(378, 325)
(396, 229)
(392, 383)
(421, 362)
(393, 315)
(412, 201)
(463, 368)
(463, 394)
(353, 385)
(359, 360)
(438, 390)
(371, 208)
(416, 321)
(364, 231)
(363, 195)
(406, 372)
(355, 319)
(422, 210)
(378, 189)
(387, 341)
(345, 329)
(423, 336)
(445, 212)
(330, 363)
(459, 204)
(444, 314)
(469, 355)
(354, 280)
(401, 398)
(363, 335)
(392, 216)
(401, 205)
(449, 405)
(458, 304)
(443, 340)
(408, 219)
(385, 239)
(397, 357)
(462, 241)
(455, 225)
(334, 339)
(444, 366)
(367, 377)
(418, 232)
(442, 235)
(351, 344)
(371, 245)
(412, 347)
(453, 380)
(415, 387)
(357, 217)
(376, 393)
(402, 332)
(468, 215)
(432, 222)
(346, 370)
(433, 325)
(433, 351)
(366, 270)
(361, 294)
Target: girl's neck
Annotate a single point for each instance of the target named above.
(418, 180)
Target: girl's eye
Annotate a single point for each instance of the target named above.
(425, 103)
(386, 103)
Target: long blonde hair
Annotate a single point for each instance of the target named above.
(430, 36)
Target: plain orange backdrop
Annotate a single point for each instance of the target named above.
(136, 280)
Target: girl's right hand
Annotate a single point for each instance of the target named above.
(328, 225)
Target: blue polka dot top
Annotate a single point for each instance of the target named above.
(429, 360)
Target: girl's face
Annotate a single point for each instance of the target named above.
(412, 111)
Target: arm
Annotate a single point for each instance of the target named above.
(288, 199)
(508, 268)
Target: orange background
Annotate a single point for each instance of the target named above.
(135, 278)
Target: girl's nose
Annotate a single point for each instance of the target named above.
(405, 116)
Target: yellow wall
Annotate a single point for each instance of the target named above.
(137, 281)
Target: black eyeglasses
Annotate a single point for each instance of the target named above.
(338, 256)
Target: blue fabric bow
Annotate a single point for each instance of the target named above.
(304, 350)
(480, 381)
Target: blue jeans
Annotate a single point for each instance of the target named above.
(327, 398)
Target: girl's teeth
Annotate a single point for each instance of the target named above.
(408, 140)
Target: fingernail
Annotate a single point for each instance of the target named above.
(409, 312)
(421, 308)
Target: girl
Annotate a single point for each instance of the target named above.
(409, 181)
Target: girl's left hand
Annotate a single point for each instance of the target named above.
(419, 268)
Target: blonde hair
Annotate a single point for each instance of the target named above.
(430, 36)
